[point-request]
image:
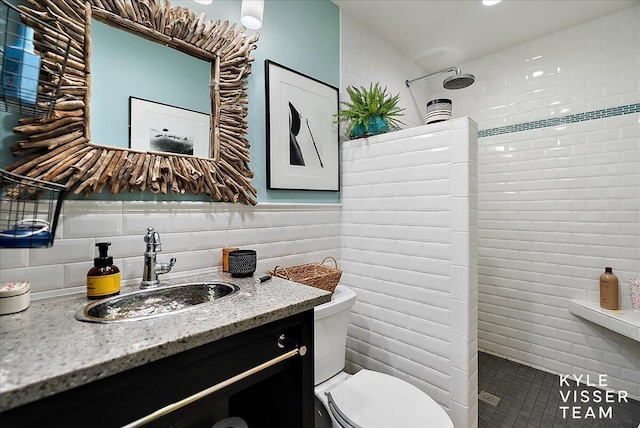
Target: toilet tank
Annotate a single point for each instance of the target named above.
(330, 333)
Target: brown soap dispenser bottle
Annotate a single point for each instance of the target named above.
(609, 290)
(103, 280)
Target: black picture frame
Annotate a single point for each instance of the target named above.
(302, 136)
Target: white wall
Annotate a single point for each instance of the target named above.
(558, 203)
(365, 58)
(193, 232)
(445, 357)
(409, 250)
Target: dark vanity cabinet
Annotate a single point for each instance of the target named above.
(280, 395)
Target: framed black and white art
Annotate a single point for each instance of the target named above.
(302, 138)
(163, 128)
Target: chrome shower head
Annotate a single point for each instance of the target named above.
(458, 81)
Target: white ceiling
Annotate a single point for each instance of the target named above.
(437, 34)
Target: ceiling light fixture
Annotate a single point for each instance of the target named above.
(490, 2)
(251, 13)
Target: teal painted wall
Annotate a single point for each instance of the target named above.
(125, 65)
(303, 35)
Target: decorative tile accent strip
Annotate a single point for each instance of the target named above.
(572, 118)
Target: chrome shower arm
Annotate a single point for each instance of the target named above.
(446, 70)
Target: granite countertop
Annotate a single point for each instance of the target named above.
(45, 350)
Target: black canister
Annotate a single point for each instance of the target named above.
(242, 263)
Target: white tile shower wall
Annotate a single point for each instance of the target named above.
(548, 224)
(193, 232)
(409, 250)
(584, 68)
(365, 58)
(558, 204)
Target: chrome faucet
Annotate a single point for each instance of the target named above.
(151, 268)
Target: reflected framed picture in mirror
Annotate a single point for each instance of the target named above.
(302, 136)
(158, 127)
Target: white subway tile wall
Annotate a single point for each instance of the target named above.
(409, 239)
(555, 204)
(192, 232)
(558, 194)
(365, 58)
(545, 239)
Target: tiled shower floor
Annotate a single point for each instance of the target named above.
(531, 398)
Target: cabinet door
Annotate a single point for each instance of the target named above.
(278, 396)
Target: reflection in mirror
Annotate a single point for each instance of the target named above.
(60, 148)
(125, 65)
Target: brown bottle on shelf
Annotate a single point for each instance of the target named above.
(609, 290)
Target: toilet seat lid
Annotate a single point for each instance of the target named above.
(371, 399)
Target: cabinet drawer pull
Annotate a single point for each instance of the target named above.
(217, 387)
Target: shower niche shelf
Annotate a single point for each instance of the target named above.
(625, 321)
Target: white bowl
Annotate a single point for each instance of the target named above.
(14, 297)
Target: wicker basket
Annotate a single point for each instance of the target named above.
(313, 274)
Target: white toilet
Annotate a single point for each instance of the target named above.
(367, 399)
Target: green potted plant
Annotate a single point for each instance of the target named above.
(370, 111)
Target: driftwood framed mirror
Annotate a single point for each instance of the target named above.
(59, 148)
